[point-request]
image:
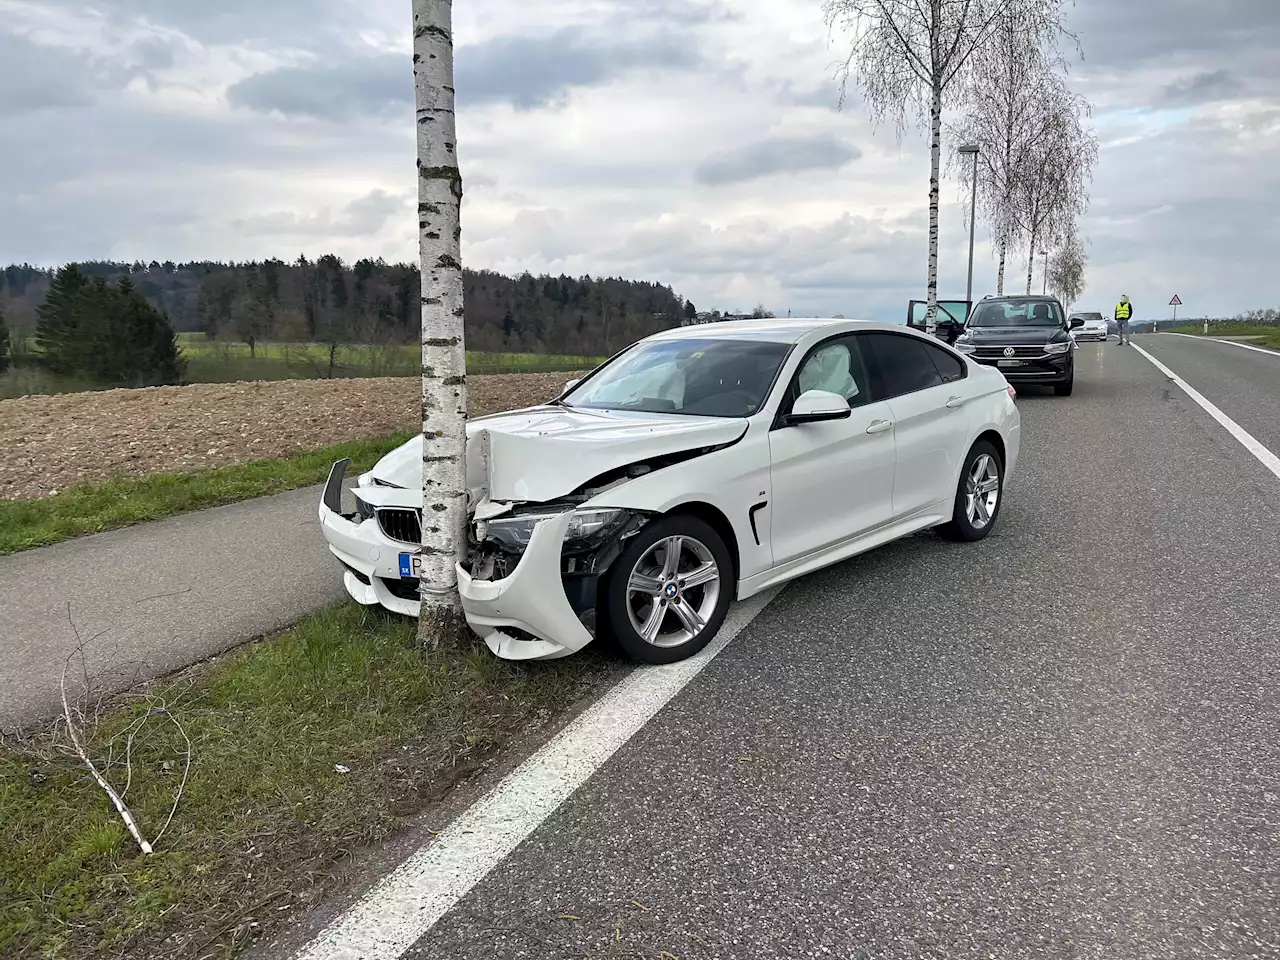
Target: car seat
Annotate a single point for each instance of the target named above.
(1040, 311)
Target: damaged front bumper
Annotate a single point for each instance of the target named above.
(530, 595)
(538, 601)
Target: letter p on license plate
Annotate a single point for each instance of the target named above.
(410, 566)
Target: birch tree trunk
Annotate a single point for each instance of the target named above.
(1031, 261)
(1004, 254)
(935, 174)
(444, 358)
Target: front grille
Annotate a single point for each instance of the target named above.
(1019, 352)
(404, 589)
(400, 524)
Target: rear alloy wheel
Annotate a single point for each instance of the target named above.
(669, 591)
(978, 496)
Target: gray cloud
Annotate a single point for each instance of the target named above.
(775, 155)
(528, 72)
(1209, 86)
(537, 71)
(348, 90)
(364, 217)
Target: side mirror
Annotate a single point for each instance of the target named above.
(818, 406)
(570, 384)
(1076, 323)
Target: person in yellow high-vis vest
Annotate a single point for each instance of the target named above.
(1124, 310)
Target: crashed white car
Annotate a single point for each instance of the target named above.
(701, 465)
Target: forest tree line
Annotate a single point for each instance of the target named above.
(328, 301)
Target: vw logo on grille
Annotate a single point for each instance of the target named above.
(1008, 351)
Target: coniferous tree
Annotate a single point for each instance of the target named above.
(4, 344)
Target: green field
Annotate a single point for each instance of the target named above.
(217, 361)
(1268, 336)
(212, 361)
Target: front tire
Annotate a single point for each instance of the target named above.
(979, 495)
(1064, 389)
(670, 589)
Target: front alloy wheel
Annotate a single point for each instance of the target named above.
(670, 590)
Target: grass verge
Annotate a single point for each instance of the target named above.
(1268, 336)
(304, 748)
(92, 508)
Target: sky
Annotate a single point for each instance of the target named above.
(696, 143)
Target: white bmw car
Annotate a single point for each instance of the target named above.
(701, 465)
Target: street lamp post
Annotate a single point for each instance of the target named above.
(972, 149)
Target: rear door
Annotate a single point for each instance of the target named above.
(919, 379)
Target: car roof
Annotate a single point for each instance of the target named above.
(1017, 297)
(775, 330)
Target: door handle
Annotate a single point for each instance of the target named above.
(879, 426)
(954, 402)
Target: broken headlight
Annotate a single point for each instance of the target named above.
(588, 528)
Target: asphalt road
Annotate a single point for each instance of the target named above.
(157, 597)
(1060, 742)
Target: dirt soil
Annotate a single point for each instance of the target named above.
(50, 443)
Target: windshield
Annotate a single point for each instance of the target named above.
(705, 378)
(1024, 313)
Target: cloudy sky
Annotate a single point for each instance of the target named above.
(696, 143)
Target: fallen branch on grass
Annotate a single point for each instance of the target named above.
(76, 723)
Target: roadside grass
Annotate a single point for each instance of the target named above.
(305, 748)
(93, 508)
(1269, 336)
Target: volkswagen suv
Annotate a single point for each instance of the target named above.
(1027, 338)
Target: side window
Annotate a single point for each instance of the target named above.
(950, 367)
(836, 366)
(902, 364)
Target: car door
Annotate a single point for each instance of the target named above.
(927, 389)
(831, 481)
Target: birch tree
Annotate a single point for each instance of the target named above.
(1006, 93)
(1066, 269)
(1051, 182)
(912, 58)
(444, 375)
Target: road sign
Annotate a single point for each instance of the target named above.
(1176, 301)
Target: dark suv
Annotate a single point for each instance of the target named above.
(1027, 338)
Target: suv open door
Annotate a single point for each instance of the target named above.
(952, 315)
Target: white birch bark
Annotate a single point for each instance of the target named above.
(1004, 255)
(935, 175)
(444, 374)
(1031, 261)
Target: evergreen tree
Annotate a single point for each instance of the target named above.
(109, 334)
(56, 333)
(4, 344)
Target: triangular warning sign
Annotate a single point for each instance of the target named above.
(1176, 301)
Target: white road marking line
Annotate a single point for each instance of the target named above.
(406, 903)
(1247, 440)
(1230, 343)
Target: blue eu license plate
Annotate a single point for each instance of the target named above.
(410, 566)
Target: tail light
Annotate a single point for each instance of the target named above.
(1013, 394)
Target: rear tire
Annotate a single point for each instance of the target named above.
(663, 609)
(973, 519)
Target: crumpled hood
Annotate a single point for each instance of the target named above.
(543, 453)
